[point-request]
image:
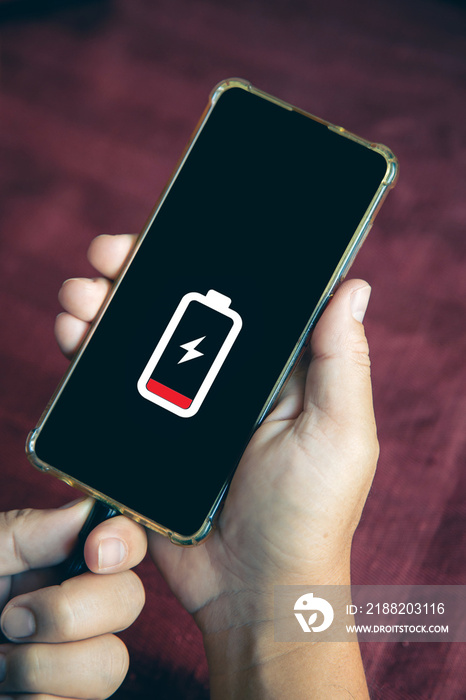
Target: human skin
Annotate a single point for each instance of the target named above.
(291, 511)
(58, 636)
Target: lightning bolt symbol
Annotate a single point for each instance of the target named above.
(191, 353)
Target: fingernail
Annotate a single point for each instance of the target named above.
(359, 300)
(18, 623)
(72, 503)
(71, 279)
(112, 552)
(2, 667)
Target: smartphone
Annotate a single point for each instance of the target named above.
(259, 223)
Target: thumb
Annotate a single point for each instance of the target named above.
(338, 382)
(32, 539)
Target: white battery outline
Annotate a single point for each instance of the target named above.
(213, 300)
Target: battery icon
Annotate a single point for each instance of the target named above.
(190, 353)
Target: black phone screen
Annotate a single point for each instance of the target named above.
(162, 402)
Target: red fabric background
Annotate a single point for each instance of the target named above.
(97, 101)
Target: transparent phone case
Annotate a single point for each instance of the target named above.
(339, 274)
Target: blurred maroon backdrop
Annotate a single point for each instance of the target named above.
(97, 101)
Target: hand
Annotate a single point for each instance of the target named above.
(58, 636)
(297, 495)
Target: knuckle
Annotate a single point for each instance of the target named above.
(62, 616)
(37, 696)
(375, 448)
(12, 559)
(134, 595)
(113, 662)
(128, 600)
(100, 666)
(367, 452)
(89, 606)
(352, 346)
(26, 667)
(360, 352)
(372, 440)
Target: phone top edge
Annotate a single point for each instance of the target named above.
(227, 84)
(30, 448)
(393, 166)
(391, 174)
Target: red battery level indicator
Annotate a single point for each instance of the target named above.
(190, 353)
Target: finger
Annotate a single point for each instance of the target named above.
(37, 696)
(338, 382)
(83, 297)
(93, 668)
(108, 253)
(115, 545)
(69, 332)
(31, 539)
(79, 608)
